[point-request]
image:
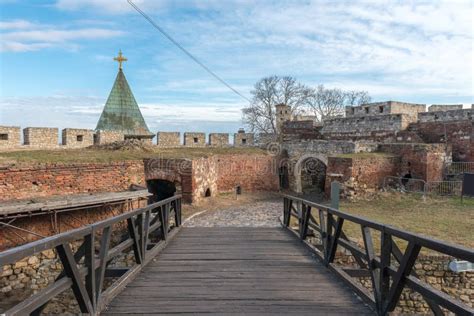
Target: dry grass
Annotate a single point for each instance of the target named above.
(97, 155)
(441, 218)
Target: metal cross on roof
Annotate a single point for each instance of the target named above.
(120, 59)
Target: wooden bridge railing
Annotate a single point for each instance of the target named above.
(85, 270)
(390, 271)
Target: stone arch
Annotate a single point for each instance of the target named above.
(163, 184)
(299, 168)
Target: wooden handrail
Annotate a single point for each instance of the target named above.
(388, 280)
(86, 282)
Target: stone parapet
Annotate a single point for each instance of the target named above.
(357, 127)
(446, 116)
(10, 137)
(383, 108)
(106, 137)
(219, 139)
(40, 137)
(194, 139)
(168, 139)
(243, 139)
(444, 107)
(77, 138)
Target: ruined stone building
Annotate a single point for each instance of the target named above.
(121, 114)
(372, 142)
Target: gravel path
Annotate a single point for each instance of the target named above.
(258, 214)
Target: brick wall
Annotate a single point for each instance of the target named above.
(168, 139)
(106, 137)
(297, 130)
(194, 139)
(40, 137)
(178, 171)
(252, 173)
(9, 137)
(62, 179)
(459, 134)
(219, 139)
(421, 161)
(220, 173)
(77, 138)
(360, 174)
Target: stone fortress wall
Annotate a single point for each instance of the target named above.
(380, 121)
(47, 138)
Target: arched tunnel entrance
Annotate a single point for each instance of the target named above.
(311, 177)
(162, 189)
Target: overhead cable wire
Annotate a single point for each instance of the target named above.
(184, 50)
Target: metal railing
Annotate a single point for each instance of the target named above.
(405, 184)
(448, 188)
(390, 269)
(444, 188)
(86, 270)
(458, 168)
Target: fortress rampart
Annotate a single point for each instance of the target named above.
(47, 138)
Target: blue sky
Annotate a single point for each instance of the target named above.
(57, 68)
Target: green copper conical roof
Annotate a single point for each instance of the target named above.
(121, 111)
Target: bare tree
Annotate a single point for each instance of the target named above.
(325, 103)
(260, 115)
(355, 98)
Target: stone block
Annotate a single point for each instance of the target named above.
(194, 139)
(242, 139)
(77, 138)
(10, 137)
(444, 107)
(40, 137)
(105, 137)
(168, 139)
(219, 139)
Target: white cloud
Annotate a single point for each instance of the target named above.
(407, 48)
(15, 24)
(108, 6)
(23, 36)
(84, 112)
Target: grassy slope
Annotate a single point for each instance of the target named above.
(94, 155)
(441, 218)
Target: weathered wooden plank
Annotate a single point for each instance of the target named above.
(236, 270)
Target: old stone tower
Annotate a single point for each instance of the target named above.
(121, 112)
(283, 114)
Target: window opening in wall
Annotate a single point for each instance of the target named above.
(352, 110)
(80, 138)
(208, 193)
(366, 110)
(244, 141)
(381, 109)
(3, 136)
(195, 140)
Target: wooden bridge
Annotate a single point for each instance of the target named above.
(235, 270)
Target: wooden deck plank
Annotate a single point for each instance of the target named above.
(260, 271)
